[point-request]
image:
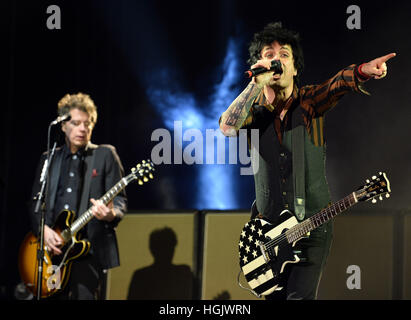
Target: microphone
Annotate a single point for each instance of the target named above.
(275, 66)
(64, 117)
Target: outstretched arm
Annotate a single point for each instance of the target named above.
(376, 68)
(326, 95)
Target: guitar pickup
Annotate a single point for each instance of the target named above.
(66, 235)
(263, 251)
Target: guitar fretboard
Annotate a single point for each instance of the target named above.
(88, 215)
(301, 229)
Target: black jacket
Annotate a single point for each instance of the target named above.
(103, 169)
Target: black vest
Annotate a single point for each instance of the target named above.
(274, 185)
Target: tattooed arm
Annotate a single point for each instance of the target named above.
(233, 118)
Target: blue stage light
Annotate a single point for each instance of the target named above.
(151, 58)
(216, 181)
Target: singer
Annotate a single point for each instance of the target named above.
(80, 173)
(291, 150)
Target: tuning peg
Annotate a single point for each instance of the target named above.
(380, 197)
(368, 180)
(133, 170)
(151, 176)
(374, 177)
(387, 195)
(380, 173)
(140, 182)
(145, 179)
(374, 200)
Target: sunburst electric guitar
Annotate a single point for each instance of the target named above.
(56, 268)
(265, 249)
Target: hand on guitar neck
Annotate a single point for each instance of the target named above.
(52, 240)
(103, 212)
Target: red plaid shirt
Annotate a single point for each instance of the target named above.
(315, 101)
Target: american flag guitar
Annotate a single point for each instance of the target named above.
(266, 249)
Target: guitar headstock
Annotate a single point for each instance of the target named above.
(376, 187)
(142, 172)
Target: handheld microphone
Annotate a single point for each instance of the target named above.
(275, 66)
(64, 117)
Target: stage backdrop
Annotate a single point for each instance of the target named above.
(148, 63)
(157, 255)
(194, 255)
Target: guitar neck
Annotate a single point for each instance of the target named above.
(300, 230)
(88, 215)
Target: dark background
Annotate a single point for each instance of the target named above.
(109, 49)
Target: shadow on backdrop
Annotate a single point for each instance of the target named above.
(162, 279)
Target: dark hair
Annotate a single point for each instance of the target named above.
(274, 31)
(79, 101)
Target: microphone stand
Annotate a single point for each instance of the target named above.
(41, 202)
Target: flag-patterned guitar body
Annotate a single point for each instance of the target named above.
(266, 249)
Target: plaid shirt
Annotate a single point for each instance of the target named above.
(315, 101)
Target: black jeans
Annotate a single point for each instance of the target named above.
(301, 280)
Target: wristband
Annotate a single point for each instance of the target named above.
(361, 75)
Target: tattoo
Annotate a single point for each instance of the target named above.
(239, 108)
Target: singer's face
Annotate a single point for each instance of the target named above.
(78, 130)
(284, 53)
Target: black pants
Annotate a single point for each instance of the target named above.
(301, 280)
(87, 281)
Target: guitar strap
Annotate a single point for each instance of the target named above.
(297, 144)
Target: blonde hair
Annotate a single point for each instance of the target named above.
(79, 101)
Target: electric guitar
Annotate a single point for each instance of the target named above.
(265, 249)
(56, 268)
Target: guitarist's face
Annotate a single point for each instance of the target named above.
(78, 130)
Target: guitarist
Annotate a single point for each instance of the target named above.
(80, 173)
(275, 105)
